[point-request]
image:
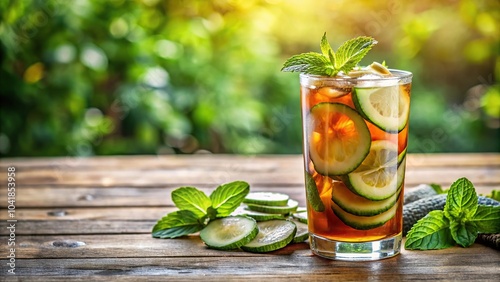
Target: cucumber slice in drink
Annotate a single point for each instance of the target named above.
(258, 216)
(339, 138)
(229, 233)
(273, 235)
(312, 194)
(386, 107)
(364, 222)
(378, 177)
(402, 156)
(289, 208)
(267, 198)
(302, 233)
(357, 205)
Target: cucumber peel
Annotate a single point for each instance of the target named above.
(229, 232)
(273, 235)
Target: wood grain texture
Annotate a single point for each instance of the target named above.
(90, 219)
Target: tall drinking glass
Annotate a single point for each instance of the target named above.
(355, 133)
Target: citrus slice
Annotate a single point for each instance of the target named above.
(267, 198)
(357, 205)
(364, 222)
(229, 232)
(339, 139)
(378, 177)
(290, 207)
(386, 107)
(273, 235)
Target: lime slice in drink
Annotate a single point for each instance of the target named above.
(229, 233)
(339, 138)
(273, 235)
(378, 177)
(289, 208)
(267, 198)
(386, 107)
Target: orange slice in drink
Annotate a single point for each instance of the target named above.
(339, 139)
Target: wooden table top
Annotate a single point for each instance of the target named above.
(91, 218)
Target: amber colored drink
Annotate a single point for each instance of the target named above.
(355, 133)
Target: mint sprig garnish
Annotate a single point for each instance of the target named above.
(196, 209)
(328, 62)
(460, 222)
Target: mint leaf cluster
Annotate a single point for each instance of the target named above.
(328, 62)
(196, 209)
(460, 222)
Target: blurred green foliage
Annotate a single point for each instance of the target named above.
(93, 77)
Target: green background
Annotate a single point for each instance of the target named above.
(91, 77)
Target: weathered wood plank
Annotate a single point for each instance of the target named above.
(450, 264)
(52, 197)
(178, 177)
(68, 197)
(248, 162)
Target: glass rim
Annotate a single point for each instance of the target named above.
(399, 75)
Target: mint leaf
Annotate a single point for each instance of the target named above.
(328, 62)
(176, 224)
(192, 199)
(461, 202)
(430, 233)
(487, 219)
(227, 197)
(464, 233)
(327, 50)
(312, 63)
(351, 52)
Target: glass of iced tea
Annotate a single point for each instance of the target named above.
(355, 132)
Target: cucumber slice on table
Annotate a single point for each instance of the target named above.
(302, 233)
(386, 107)
(357, 205)
(229, 233)
(378, 177)
(267, 198)
(300, 216)
(364, 222)
(339, 138)
(258, 216)
(273, 235)
(290, 207)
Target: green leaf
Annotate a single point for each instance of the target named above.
(328, 62)
(227, 197)
(487, 219)
(437, 188)
(430, 233)
(326, 49)
(312, 63)
(461, 202)
(176, 224)
(464, 233)
(192, 199)
(351, 52)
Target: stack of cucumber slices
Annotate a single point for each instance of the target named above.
(341, 147)
(265, 222)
